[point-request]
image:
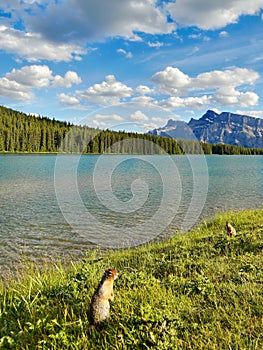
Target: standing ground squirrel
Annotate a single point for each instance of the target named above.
(230, 230)
(100, 305)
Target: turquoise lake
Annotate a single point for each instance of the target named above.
(56, 206)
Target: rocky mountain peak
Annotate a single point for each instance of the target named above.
(230, 128)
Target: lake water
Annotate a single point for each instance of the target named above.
(61, 205)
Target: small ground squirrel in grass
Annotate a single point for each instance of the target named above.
(100, 302)
(230, 230)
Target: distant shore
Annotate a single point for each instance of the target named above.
(131, 154)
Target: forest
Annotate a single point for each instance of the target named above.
(20, 132)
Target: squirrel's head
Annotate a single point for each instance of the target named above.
(110, 274)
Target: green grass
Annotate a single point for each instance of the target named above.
(200, 290)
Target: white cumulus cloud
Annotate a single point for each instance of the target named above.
(143, 100)
(144, 90)
(68, 100)
(15, 91)
(88, 20)
(232, 97)
(109, 91)
(34, 47)
(219, 86)
(187, 102)
(171, 80)
(31, 76)
(139, 116)
(20, 83)
(207, 14)
(69, 79)
(229, 77)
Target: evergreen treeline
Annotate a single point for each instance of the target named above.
(20, 132)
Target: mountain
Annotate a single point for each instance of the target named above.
(177, 129)
(226, 128)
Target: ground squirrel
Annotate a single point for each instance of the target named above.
(230, 230)
(100, 305)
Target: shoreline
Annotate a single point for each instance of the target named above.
(197, 290)
(121, 154)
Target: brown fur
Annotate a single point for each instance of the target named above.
(230, 230)
(100, 303)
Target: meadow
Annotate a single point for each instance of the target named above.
(198, 290)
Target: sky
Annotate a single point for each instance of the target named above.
(131, 64)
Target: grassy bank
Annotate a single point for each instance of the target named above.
(200, 290)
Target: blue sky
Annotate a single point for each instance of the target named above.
(131, 64)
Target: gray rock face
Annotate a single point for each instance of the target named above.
(228, 128)
(175, 129)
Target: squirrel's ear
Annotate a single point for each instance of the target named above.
(108, 272)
